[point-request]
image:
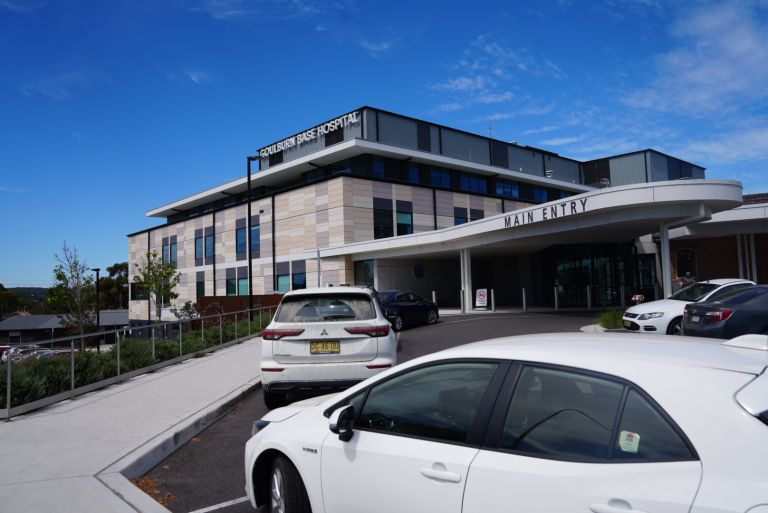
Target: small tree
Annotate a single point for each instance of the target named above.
(72, 294)
(158, 279)
(187, 312)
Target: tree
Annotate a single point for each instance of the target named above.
(8, 301)
(188, 311)
(158, 279)
(72, 293)
(113, 288)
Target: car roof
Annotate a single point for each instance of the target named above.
(725, 281)
(330, 290)
(606, 351)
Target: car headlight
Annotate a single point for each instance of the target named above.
(258, 425)
(650, 315)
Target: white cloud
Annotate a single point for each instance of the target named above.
(21, 5)
(720, 63)
(11, 189)
(464, 84)
(198, 77)
(448, 107)
(560, 141)
(495, 97)
(732, 148)
(231, 10)
(62, 85)
(374, 49)
(189, 76)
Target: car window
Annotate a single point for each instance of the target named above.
(746, 296)
(562, 414)
(325, 307)
(402, 297)
(728, 290)
(436, 402)
(645, 435)
(695, 292)
(413, 297)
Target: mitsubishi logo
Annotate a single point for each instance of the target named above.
(323, 333)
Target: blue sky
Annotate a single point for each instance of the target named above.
(110, 109)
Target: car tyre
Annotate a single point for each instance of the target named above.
(274, 400)
(675, 327)
(287, 493)
(432, 317)
(397, 323)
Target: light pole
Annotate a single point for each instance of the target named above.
(98, 319)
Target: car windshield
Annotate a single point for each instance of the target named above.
(326, 307)
(386, 297)
(695, 292)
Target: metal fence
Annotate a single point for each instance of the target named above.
(37, 375)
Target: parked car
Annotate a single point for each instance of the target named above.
(666, 315)
(560, 422)
(322, 340)
(739, 313)
(404, 308)
(20, 353)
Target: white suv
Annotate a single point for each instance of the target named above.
(665, 316)
(324, 340)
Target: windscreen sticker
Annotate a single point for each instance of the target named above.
(629, 441)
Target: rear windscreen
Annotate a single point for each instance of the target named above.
(326, 307)
(746, 296)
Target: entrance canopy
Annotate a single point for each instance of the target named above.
(604, 215)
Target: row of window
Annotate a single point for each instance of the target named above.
(553, 413)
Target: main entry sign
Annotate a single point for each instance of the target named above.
(546, 213)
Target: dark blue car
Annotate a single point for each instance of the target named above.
(404, 308)
(740, 313)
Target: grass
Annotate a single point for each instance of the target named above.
(611, 319)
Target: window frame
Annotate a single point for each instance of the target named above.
(476, 433)
(507, 392)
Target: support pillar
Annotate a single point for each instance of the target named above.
(465, 263)
(740, 255)
(666, 261)
(753, 256)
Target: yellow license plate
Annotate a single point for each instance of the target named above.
(627, 324)
(325, 347)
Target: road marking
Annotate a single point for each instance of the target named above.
(221, 506)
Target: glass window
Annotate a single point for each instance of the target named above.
(473, 183)
(499, 154)
(276, 158)
(256, 240)
(644, 434)
(475, 214)
(283, 282)
(414, 174)
(424, 137)
(437, 402)
(562, 414)
(242, 287)
(166, 253)
(200, 289)
(139, 292)
(378, 168)
(507, 189)
(404, 223)
(440, 178)
(364, 272)
(299, 281)
(240, 242)
(198, 248)
(334, 137)
(325, 307)
(539, 195)
(231, 287)
(459, 216)
(209, 246)
(173, 253)
(685, 262)
(695, 292)
(382, 224)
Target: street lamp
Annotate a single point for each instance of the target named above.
(98, 309)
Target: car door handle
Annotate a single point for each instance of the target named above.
(441, 475)
(614, 506)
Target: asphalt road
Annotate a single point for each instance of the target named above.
(208, 473)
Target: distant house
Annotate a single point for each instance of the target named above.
(23, 329)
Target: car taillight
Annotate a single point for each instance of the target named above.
(278, 334)
(371, 331)
(719, 315)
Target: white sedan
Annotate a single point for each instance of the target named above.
(543, 423)
(665, 316)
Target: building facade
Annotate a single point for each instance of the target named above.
(373, 197)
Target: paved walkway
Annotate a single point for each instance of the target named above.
(71, 457)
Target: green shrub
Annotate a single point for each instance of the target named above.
(611, 319)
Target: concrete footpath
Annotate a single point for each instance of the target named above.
(73, 457)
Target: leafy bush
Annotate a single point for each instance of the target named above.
(611, 319)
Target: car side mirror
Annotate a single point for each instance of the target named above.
(340, 422)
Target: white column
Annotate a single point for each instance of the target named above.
(753, 256)
(740, 255)
(466, 277)
(666, 261)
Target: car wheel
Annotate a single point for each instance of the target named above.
(273, 400)
(432, 317)
(675, 327)
(287, 493)
(397, 323)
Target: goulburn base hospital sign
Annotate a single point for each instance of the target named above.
(558, 210)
